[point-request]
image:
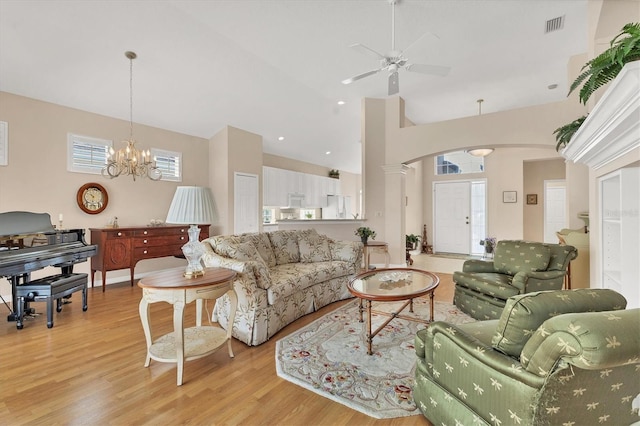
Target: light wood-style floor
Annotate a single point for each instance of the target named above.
(88, 370)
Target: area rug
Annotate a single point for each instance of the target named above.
(329, 357)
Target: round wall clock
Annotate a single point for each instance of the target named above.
(92, 198)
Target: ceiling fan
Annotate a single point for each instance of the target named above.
(394, 60)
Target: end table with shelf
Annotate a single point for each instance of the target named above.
(195, 342)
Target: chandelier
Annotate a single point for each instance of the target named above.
(129, 160)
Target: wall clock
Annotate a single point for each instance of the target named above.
(92, 198)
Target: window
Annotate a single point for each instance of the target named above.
(169, 162)
(86, 154)
(458, 162)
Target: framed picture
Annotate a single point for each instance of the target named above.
(532, 198)
(509, 196)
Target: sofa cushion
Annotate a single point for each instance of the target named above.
(262, 243)
(512, 257)
(285, 246)
(295, 277)
(523, 314)
(489, 283)
(314, 248)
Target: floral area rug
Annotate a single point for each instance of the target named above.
(329, 357)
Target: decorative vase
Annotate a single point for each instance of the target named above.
(364, 239)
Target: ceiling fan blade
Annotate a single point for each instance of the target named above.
(429, 69)
(420, 40)
(367, 51)
(394, 83)
(359, 76)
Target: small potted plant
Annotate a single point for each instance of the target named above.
(412, 241)
(489, 244)
(364, 233)
(334, 173)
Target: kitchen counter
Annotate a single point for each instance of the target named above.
(338, 229)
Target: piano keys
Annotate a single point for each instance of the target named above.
(29, 242)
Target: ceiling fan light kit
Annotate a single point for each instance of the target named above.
(394, 60)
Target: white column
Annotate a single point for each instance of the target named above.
(395, 210)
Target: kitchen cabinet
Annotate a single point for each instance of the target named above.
(279, 183)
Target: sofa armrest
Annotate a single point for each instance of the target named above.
(477, 353)
(588, 340)
(527, 282)
(475, 265)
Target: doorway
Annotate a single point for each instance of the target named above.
(459, 211)
(246, 214)
(555, 209)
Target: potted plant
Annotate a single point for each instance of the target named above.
(412, 241)
(624, 48)
(334, 173)
(364, 233)
(489, 244)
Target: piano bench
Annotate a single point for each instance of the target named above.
(47, 290)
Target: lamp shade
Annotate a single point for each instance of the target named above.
(192, 205)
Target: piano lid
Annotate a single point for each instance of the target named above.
(14, 224)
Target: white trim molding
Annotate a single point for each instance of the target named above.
(612, 129)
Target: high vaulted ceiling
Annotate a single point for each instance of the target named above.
(275, 67)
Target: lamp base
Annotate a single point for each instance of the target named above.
(193, 251)
(193, 274)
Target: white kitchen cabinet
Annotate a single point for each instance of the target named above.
(278, 184)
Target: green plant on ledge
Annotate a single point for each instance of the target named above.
(365, 233)
(624, 48)
(334, 173)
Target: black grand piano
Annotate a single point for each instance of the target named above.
(29, 242)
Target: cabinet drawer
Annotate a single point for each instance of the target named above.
(160, 231)
(115, 234)
(157, 251)
(160, 241)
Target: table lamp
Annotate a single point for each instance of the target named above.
(192, 205)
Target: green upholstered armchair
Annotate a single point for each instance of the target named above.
(518, 267)
(567, 357)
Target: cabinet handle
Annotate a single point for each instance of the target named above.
(145, 252)
(119, 234)
(182, 238)
(182, 230)
(145, 241)
(145, 232)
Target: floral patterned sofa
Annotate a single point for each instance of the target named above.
(567, 357)
(282, 276)
(483, 287)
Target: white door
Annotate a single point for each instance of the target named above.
(452, 217)
(246, 214)
(555, 210)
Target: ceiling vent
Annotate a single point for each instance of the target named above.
(554, 24)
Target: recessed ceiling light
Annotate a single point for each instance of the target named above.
(281, 138)
(328, 152)
(341, 102)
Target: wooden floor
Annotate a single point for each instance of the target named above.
(88, 369)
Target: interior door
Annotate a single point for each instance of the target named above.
(452, 209)
(555, 210)
(245, 203)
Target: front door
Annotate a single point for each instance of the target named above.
(452, 209)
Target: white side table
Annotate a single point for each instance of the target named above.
(194, 342)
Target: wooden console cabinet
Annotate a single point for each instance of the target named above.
(122, 248)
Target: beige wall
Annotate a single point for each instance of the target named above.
(37, 179)
(535, 173)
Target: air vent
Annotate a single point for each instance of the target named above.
(554, 24)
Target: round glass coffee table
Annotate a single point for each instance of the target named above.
(391, 285)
